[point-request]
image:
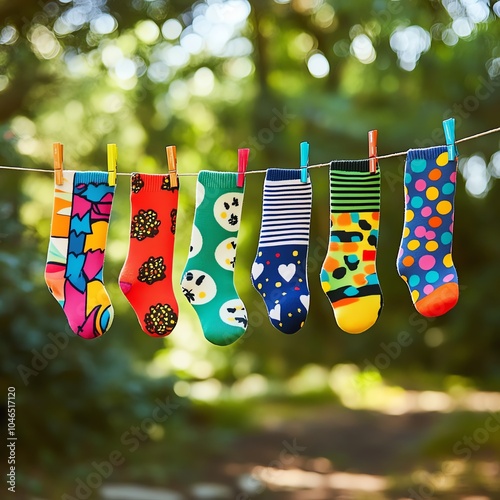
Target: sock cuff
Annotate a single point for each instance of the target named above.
(351, 165)
(283, 174)
(149, 182)
(91, 176)
(426, 153)
(224, 180)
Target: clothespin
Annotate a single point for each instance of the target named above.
(57, 149)
(372, 150)
(304, 160)
(449, 134)
(112, 161)
(243, 155)
(171, 152)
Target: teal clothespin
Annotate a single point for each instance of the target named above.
(304, 160)
(449, 134)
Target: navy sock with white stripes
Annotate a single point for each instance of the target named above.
(279, 272)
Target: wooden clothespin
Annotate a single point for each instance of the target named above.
(372, 150)
(243, 155)
(171, 152)
(57, 149)
(304, 160)
(449, 134)
(112, 162)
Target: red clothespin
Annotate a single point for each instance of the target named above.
(57, 149)
(171, 152)
(243, 155)
(372, 150)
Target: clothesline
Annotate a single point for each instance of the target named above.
(317, 165)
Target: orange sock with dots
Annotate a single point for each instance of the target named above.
(146, 277)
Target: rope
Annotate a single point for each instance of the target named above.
(318, 165)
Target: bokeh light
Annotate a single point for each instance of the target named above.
(409, 44)
(318, 65)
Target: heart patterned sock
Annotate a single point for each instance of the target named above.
(279, 272)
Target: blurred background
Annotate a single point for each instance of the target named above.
(409, 409)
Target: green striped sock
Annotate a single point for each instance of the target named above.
(349, 276)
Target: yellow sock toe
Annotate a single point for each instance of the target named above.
(357, 315)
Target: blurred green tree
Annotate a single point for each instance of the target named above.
(210, 77)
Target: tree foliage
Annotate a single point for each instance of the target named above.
(211, 77)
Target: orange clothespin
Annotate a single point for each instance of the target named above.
(171, 152)
(57, 149)
(372, 150)
(243, 155)
(112, 161)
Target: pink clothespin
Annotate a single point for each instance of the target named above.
(243, 155)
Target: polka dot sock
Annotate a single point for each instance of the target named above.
(279, 271)
(348, 276)
(146, 276)
(424, 259)
(208, 277)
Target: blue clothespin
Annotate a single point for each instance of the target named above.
(449, 134)
(304, 160)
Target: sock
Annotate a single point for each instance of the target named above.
(424, 259)
(74, 270)
(208, 277)
(349, 276)
(279, 272)
(146, 276)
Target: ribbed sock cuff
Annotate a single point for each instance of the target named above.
(351, 165)
(149, 182)
(91, 177)
(282, 174)
(224, 180)
(426, 153)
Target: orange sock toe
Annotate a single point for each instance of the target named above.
(438, 302)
